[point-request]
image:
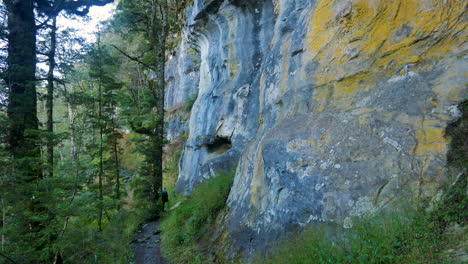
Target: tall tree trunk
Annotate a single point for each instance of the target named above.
(3, 224)
(101, 132)
(158, 34)
(50, 99)
(101, 169)
(74, 155)
(159, 131)
(117, 173)
(115, 150)
(22, 111)
(23, 139)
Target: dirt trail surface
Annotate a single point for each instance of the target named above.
(147, 244)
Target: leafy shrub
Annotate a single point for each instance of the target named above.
(173, 153)
(186, 225)
(189, 101)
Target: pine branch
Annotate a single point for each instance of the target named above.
(74, 6)
(139, 129)
(133, 58)
(8, 258)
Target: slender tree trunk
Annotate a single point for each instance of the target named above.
(74, 155)
(3, 224)
(73, 144)
(115, 150)
(159, 139)
(101, 169)
(22, 106)
(155, 168)
(50, 99)
(101, 132)
(71, 119)
(117, 174)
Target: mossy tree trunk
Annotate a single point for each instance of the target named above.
(157, 34)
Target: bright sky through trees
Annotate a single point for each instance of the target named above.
(87, 26)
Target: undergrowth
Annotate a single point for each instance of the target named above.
(414, 236)
(186, 226)
(172, 155)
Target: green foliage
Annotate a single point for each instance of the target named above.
(58, 216)
(84, 244)
(173, 153)
(189, 101)
(187, 225)
(457, 155)
(63, 210)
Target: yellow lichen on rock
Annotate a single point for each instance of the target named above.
(285, 68)
(318, 24)
(430, 138)
(258, 180)
(367, 38)
(344, 90)
(321, 97)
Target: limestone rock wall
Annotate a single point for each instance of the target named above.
(329, 109)
(232, 40)
(182, 78)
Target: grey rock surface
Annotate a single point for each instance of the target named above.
(329, 110)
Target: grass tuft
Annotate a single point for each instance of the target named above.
(418, 237)
(186, 226)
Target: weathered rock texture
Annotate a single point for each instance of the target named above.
(330, 109)
(182, 79)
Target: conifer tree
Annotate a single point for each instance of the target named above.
(155, 21)
(34, 218)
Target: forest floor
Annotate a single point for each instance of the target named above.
(147, 244)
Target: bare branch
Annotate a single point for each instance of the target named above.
(43, 23)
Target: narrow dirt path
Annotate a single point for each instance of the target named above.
(147, 244)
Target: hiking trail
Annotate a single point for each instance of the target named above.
(147, 244)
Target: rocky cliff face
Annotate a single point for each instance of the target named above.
(329, 109)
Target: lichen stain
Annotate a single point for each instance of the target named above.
(344, 90)
(285, 64)
(431, 30)
(318, 24)
(233, 61)
(430, 138)
(321, 97)
(258, 180)
(364, 119)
